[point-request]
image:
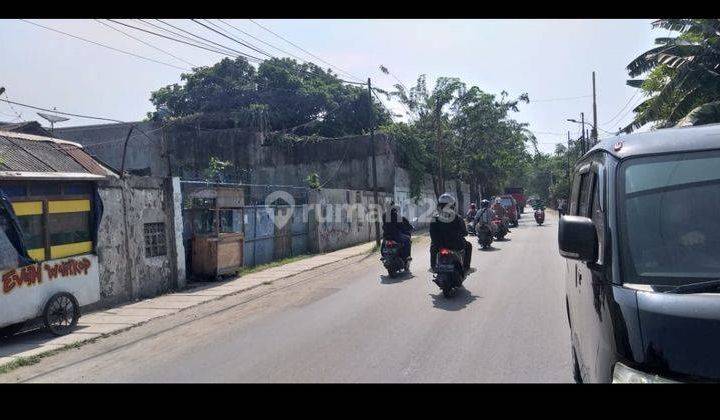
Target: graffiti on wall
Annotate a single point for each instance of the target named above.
(32, 274)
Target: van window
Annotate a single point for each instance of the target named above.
(574, 195)
(670, 231)
(598, 218)
(585, 194)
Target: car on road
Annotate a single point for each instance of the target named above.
(641, 240)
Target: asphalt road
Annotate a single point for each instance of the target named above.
(349, 323)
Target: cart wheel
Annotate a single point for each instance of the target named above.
(61, 313)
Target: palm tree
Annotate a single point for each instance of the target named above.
(428, 109)
(683, 75)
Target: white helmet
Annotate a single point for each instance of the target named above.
(446, 200)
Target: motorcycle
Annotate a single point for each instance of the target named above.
(449, 272)
(470, 227)
(539, 216)
(501, 228)
(485, 236)
(391, 259)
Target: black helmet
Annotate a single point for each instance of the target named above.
(484, 203)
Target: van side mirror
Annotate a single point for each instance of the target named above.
(577, 238)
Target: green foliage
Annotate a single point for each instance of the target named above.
(215, 169)
(413, 153)
(683, 73)
(281, 94)
(480, 144)
(313, 181)
(549, 174)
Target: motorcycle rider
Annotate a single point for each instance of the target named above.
(484, 216)
(448, 230)
(500, 211)
(398, 231)
(472, 211)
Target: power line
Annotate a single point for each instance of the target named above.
(215, 43)
(622, 109)
(91, 117)
(103, 45)
(193, 41)
(181, 41)
(18, 116)
(62, 113)
(229, 37)
(305, 51)
(266, 43)
(560, 99)
(145, 43)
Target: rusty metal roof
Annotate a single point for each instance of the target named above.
(38, 157)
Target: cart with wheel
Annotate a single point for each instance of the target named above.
(52, 290)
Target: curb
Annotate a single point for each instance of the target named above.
(35, 358)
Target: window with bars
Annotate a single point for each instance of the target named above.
(154, 239)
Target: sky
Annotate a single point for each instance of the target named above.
(551, 60)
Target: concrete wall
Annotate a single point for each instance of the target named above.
(126, 273)
(146, 155)
(425, 204)
(185, 152)
(337, 220)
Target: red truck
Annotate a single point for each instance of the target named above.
(519, 196)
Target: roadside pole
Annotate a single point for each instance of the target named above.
(582, 128)
(567, 158)
(374, 167)
(594, 133)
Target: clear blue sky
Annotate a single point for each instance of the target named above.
(548, 59)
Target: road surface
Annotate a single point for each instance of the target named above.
(347, 322)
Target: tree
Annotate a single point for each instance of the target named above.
(461, 133)
(281, 94)
(683, 74)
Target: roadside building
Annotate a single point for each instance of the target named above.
(51, 213)
(73, 224)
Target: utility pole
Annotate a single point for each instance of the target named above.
(567, 158)
(594, 129)
(374, 167)
(439, 149)
(582, 128)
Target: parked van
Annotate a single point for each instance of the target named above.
(642, 245)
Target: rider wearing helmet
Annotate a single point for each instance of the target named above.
(485, 215)
(397, 230)
(448, 230)
(472, 211)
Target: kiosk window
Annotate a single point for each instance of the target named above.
(55, 228)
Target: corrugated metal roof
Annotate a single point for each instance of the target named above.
(37, 154)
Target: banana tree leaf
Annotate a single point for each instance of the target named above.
(708, 113)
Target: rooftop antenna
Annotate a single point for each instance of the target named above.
(52, 119)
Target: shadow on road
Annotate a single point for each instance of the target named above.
(489, 249)
(385, 279)
(462, 298)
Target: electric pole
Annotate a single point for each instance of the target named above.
(567, 158)
(374, 167)
(594, 133)
(438, 147)
(582, 129)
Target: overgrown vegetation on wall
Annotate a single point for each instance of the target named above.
(280, 95)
